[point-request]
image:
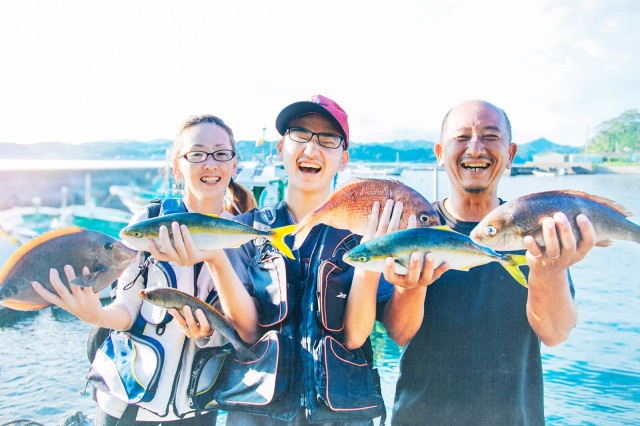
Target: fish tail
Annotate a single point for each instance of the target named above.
(243, 354)
(512, 263)
(276, 236)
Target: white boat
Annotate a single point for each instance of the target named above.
(377, 171)
(543, 173)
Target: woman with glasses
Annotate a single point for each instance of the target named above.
(203, 160)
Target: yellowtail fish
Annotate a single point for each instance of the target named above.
(105, 256)
(505, 227)
(170, 298)
(447, 245)
(209, 232)
(349, 207)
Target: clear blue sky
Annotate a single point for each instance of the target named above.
(82, 70)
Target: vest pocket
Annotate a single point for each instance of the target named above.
(344, 379)
(334, 284)
(269, 277)
(207, 371)
(258, 382)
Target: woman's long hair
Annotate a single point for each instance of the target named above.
(238, 199)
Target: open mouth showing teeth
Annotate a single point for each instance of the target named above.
(475, 167)
(210, 179)
(309, 168)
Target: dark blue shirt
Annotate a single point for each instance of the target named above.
(475, 359)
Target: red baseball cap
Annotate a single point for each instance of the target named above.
(316, 104)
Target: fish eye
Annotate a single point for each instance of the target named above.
(362, 258)
(108, 246)
(424, 218)
(490, 231)
(137, 234)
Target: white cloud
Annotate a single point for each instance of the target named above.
(78, 71)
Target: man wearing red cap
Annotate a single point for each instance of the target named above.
(316, 310)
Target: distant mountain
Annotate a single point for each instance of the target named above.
(418, 151)
(526, 151)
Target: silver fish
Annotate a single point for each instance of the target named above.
(447, 245)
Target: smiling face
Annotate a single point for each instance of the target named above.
(205, 183)
(311, 168)
(474, 147)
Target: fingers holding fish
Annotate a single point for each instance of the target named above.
(176, 246)
(418, 274)
(76, 299)
(588, 236)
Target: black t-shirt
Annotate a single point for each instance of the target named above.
(475, 359)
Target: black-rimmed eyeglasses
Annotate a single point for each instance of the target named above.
(220, 155)
(326, 140)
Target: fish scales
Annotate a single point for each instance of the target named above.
(350, 205)
(105, 257)
(505, 227)
(446, 245)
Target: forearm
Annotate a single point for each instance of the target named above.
(360, 314)
(551, 311)
(114, 316)
(238, 305)
(404, 313)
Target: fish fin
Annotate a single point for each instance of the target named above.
(517, 259)
(87, 279)
(24, 306)
(402, 268)
(512, 268)
(604, 243)
(276, 236)
(210, 215)
(598, 199)
(442, 228)
(33, 243)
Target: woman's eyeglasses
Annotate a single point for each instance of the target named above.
(220, 155)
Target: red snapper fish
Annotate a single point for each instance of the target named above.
(105, 256)
(350, 205)
(505, 227)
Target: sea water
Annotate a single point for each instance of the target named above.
(592, 379)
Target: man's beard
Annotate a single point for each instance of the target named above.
(475, 190)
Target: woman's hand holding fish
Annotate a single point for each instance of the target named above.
(80, 301)
(194, 327)
(182, 250)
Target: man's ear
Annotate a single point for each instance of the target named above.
(438, 149)
(279, 147)
(343, 161)
(513, 148)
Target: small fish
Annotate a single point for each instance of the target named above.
(505, 227)
(102, 254)
(170, 298)
(209, 232)
(447, 245)
(349, 207)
